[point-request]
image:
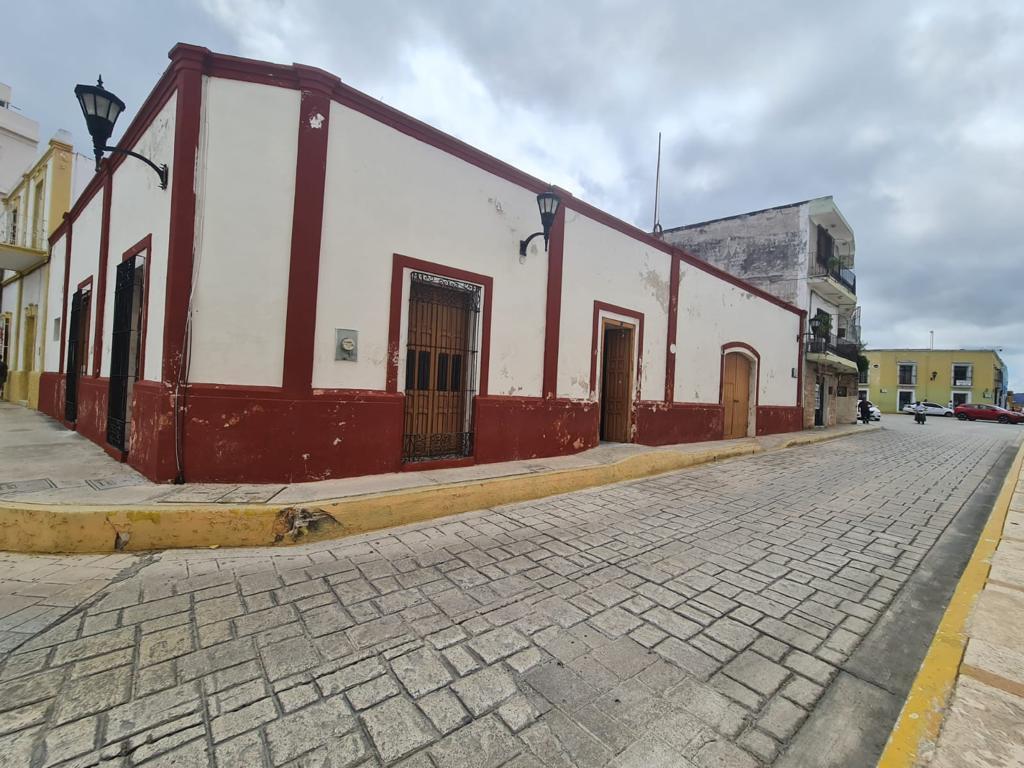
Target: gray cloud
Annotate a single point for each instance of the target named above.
(910, 114)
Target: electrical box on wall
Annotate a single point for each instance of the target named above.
(346, 344)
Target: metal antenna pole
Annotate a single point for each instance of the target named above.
(657, 188)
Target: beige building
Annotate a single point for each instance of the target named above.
(30, 210)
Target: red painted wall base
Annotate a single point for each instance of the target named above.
(773, 419)
(511, 428)
(670, 423)
(262, 435)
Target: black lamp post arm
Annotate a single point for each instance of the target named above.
(161, 170)
(524, 244)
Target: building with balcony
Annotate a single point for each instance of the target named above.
(804, 254)
(30, 210)
(897, 377)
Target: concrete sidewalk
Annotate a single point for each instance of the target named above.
(966, 706)
(61, 493)
(984, 723)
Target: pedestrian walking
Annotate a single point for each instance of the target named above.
(865, 410)
(919, 410)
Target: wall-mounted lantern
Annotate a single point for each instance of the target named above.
(548, 203)
(101, 109)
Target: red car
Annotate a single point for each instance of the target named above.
(973, 411)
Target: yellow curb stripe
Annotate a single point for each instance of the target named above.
(921, 717)
(50, 528)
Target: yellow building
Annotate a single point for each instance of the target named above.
(896, 377)
(30, 211)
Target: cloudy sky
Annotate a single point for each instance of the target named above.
(910, 114)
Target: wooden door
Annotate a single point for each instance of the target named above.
(438, 370)
(616, 383)
(736, 394)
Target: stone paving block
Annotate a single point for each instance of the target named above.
(632, 703)
(421, 672)
(326, 619)
(444, 710)
(781, 718)
(517, 713)
(155, 609)
(375, 691)
(150, 711)
(461, 660)
(16, 748)
(168, 748)
(102, 663)
(485, 743)
(615, 622)
(96, 693)
(732, 634)
(722, 754)
(581, 746)
(261, 621)
(526, 660)
(245, 750)
(681, 730)
(672, 623)
(166, 644)
(713, 708)
(759, 744)
(95, 645)
(808, 666)
(16, 719)
(498, 644)
(396, 727)
(484, 690)
(376, 631)
(688, 658)
(215, 658)
(68, 741)
(756, 672)
(351, 675)
(319, 724)
(288, 657)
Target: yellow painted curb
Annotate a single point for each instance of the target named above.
(51, 528)
(921, 717)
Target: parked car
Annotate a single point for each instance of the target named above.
(983, 412)
(930, 409)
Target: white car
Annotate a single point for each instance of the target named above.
(930, 409)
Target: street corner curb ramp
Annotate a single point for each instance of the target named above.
(68, 528)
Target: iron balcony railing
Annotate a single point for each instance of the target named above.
(907, 379)
(832, 344)
(12, 234)
(837, 272)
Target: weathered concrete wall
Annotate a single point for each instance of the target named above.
(766, 248)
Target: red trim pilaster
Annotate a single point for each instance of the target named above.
(101, 272)
(553, 307)
(64, 305)
(673, 322)
(187, 62)
(307, 224)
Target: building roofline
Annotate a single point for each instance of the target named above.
(747, 213)
(990, 350)
(299, 76)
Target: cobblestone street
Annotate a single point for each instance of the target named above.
(692, 619)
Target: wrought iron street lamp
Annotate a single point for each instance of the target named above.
(548, 203)
(101, 109)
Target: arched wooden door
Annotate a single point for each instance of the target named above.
(736, 394)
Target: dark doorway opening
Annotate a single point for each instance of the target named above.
(78, 350)
(126, 347)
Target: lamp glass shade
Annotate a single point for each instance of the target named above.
(101, 109)
(548, 203)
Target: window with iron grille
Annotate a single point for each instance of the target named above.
(962, 374)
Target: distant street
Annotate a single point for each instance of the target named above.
(693, 619)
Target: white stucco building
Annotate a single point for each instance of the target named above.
(329, 287)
